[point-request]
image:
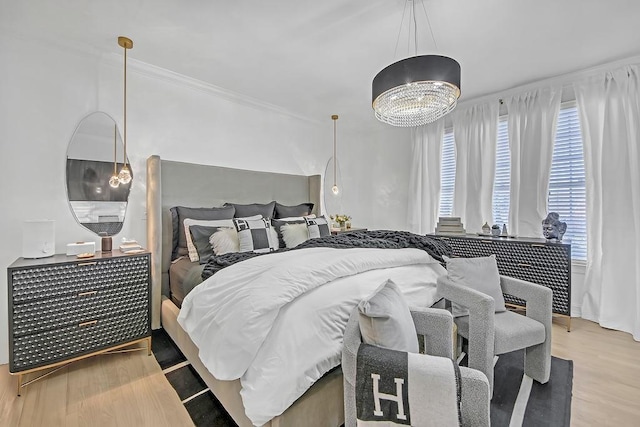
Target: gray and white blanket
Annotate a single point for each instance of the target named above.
(381, 239)
(395, 388)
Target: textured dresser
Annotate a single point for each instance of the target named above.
(63, 308)
(535, 260)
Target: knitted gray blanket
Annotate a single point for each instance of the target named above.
(382, 239)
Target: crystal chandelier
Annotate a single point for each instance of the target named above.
(416, 90)
(125, 174)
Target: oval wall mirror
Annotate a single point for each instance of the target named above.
(95, 146)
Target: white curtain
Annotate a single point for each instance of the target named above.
(609, 107)
(532, 121)
(475, 131)
(424, 184)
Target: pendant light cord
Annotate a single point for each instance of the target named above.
(430, 27)
(125, 107)
(115, 149)
(335, 158)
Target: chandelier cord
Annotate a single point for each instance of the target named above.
(430, 27)
(404, 12)
(415, 28)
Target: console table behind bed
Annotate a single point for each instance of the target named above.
(171, 184)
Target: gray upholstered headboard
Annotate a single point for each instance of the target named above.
(185, 184)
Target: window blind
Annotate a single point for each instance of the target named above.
(567, 193)
(501, 183)
(447, 174)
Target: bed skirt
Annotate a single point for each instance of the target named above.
(321, 405)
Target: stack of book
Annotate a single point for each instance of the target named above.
(449, 225)
(130, 246)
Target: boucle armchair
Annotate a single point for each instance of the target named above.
(491, 333)
(436, 325)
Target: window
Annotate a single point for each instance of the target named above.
(502, 179)
(567, 194)
(447, 174)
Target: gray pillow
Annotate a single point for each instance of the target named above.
(317, 227)
(480, 274)
(180, 213)
(263, 209)
(200, 235)
(385, 320)
(303, 209)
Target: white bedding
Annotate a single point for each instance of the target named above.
(246, 327)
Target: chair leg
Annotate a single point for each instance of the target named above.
(537, 362)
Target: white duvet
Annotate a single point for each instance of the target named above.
(277, 321)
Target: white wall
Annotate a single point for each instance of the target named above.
(46, 90)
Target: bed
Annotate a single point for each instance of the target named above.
(180, 184)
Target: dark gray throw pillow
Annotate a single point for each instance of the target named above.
(303, 209)
(200, 235)
(182, 212)
(243, 211)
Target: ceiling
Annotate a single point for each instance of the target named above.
(318, 58)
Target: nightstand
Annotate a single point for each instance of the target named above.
(349, 230)
(63, 309)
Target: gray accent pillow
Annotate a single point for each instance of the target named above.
(303, 209)
(317, 227)
(263, 209)
(200, 235)
(254, 235)
(385, 320)
(480, 274)
(182, 212)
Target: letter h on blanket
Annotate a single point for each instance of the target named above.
(394, 398)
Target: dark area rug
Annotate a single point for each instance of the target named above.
(544, 405)
(203, 408)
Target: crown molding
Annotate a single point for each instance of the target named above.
(151, 71)
(171, 77)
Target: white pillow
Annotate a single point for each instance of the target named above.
(480, 274)
(385, 320)
(193, 251)
(294, 234)
(225, 241)
(296, 218)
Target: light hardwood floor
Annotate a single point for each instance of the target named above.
(130, 390)
(108, 390)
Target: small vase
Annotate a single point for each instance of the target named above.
(343, 226)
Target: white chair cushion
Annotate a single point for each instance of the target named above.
(385, 320)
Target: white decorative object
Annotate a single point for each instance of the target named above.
(449, 225)
(38, 239)
(81, 248)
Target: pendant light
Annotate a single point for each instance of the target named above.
(416, 90)
(125, 174)
(335, 190)
(114, 181)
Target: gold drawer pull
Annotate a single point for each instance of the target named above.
(537, 245)
(89, 323)
(82, 264)
(524, 265)
(86, 294)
